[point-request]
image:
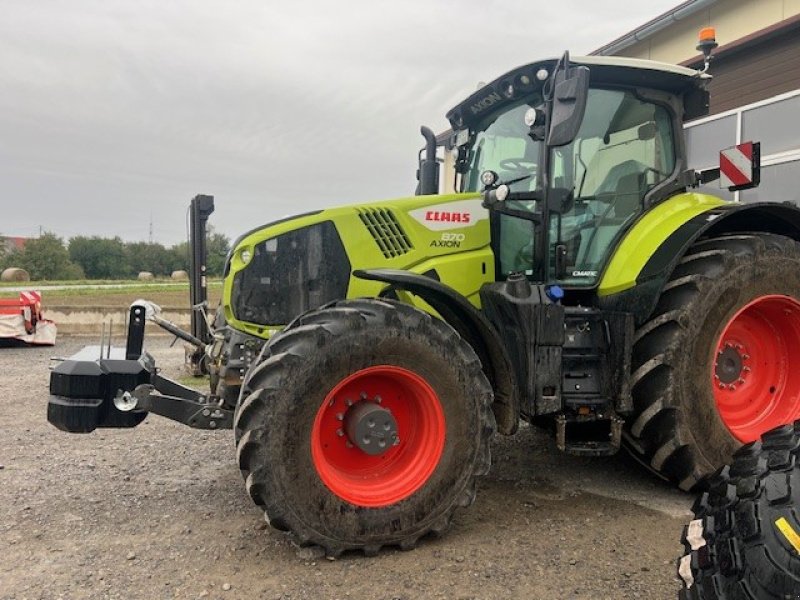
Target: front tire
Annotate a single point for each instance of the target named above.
(715, 366)
(312, 410)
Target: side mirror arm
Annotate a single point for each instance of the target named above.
(495, 201)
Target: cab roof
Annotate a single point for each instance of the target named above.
(604, 70)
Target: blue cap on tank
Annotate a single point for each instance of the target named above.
(555, 293)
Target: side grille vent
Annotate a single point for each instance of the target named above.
(386, 231)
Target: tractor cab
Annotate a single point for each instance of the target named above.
(570, 154)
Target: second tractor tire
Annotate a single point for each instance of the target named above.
(744, 543)
(713, 367)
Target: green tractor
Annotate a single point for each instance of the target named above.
(364, 356)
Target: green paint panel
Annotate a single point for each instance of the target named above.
(445, 233)
(647, 234)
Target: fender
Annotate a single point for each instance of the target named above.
(641, 294)
(473, 327)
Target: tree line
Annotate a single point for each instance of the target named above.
(49, 257)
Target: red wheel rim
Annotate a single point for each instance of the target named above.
(403, 468)
(755, 374)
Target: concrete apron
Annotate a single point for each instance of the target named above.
(89, 320)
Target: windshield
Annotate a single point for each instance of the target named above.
(623, 149)
(503, 145)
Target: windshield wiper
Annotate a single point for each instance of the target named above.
(513, 181)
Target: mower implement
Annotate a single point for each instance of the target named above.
(22, 320)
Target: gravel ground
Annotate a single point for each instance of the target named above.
(160, 512)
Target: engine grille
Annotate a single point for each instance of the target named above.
(386, 231)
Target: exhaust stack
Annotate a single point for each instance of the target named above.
(428, 173)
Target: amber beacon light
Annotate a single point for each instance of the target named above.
(706, 42)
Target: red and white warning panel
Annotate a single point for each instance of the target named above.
(740, 166)
(21, 319)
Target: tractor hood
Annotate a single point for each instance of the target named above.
(282, 269)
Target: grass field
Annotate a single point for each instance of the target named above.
(80, 293)
(163, 281)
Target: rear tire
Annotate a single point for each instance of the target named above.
(299, 397)
(744, 543)
(724, 290)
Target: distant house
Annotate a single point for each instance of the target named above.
(9, 243)
(755, 93)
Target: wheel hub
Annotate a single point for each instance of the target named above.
(729, 365)
(371, 428)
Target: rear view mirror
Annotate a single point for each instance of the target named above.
(570, 90)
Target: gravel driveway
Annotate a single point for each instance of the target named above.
(160, 511)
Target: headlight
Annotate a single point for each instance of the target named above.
(501, 193)
(488, 178)
(530, 117)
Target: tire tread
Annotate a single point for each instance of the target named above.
(741, 556)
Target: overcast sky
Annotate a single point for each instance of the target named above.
(112, 111)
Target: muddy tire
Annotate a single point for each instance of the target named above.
(304, 443)
(744, 543)
(713, 367)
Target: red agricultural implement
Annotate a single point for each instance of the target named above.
(21, 319)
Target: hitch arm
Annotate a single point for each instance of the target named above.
(170, 399)
(177, 331)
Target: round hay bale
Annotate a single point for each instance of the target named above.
(15, 274)
(179, 275)
(145, 276)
